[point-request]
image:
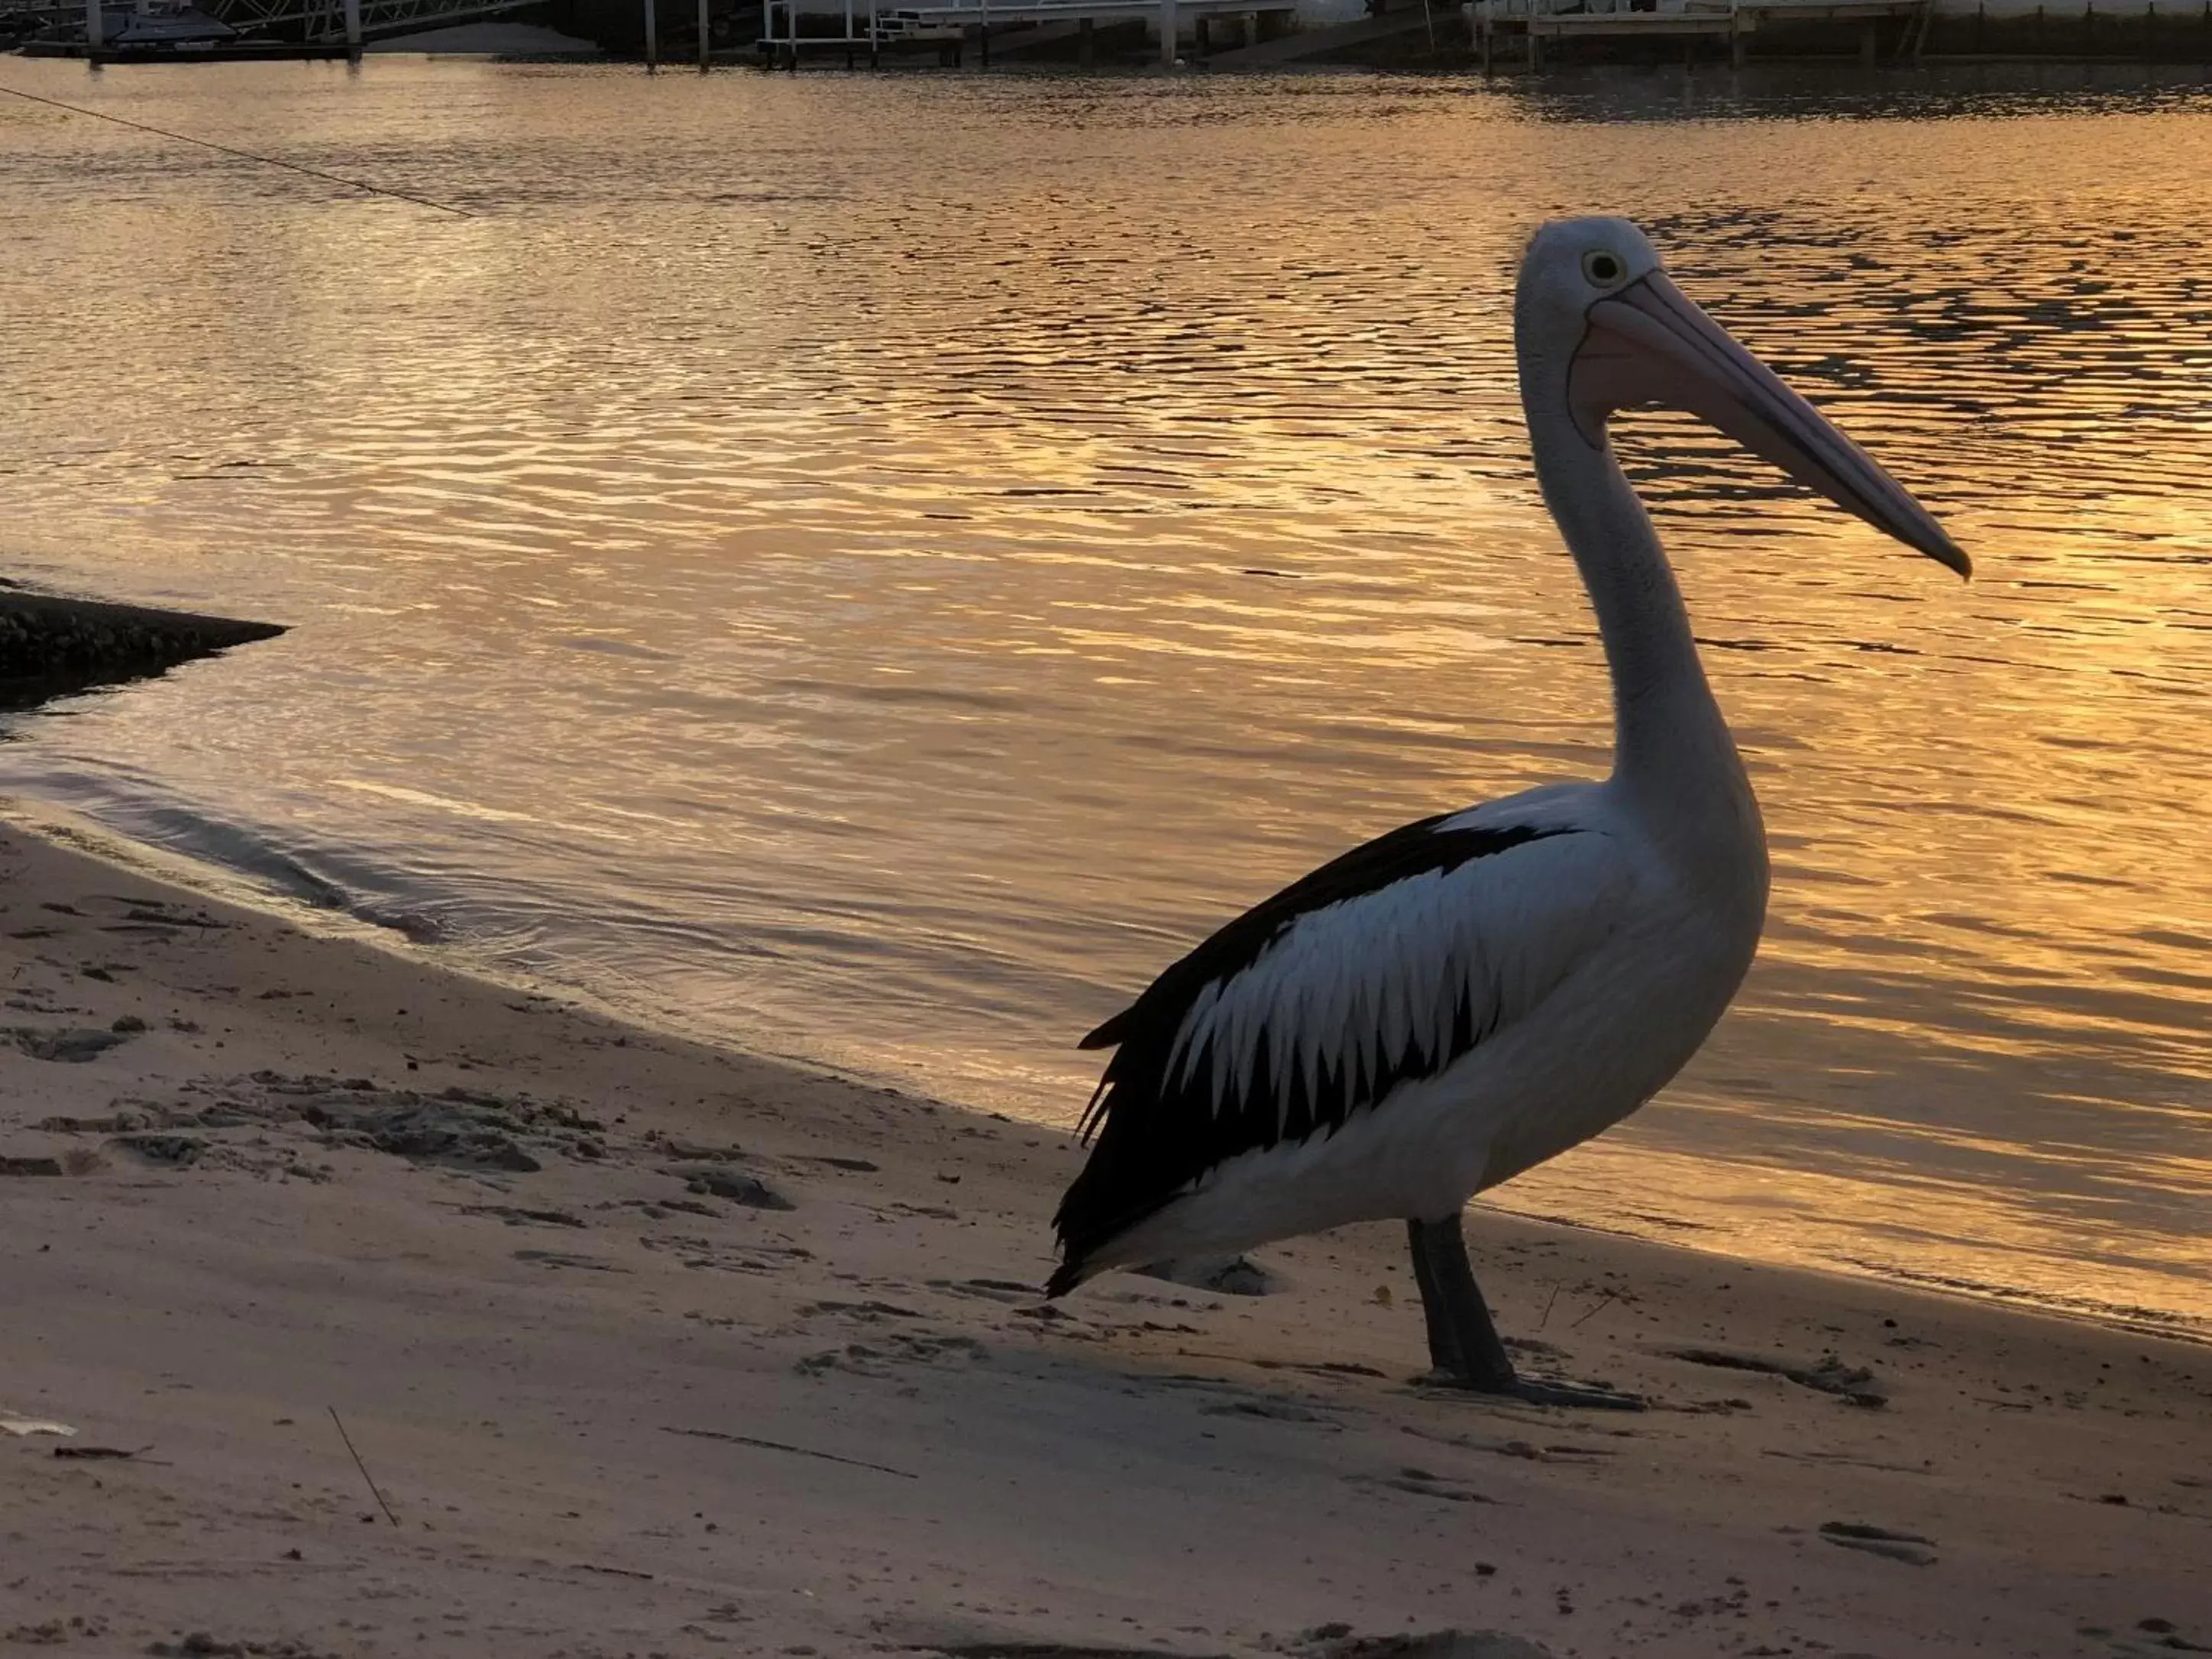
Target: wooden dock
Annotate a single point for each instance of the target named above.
(238, 51)
(1501, 31)
(1296, 45)
(1495, 22)
(872, 27)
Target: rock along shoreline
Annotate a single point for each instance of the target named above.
(52, 644)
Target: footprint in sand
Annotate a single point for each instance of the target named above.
(898, 1349)
(67, 1045)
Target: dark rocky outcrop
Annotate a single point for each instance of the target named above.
(51, 645)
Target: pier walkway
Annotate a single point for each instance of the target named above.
(870, 26)
(1535, 21)
(102, 30)
(1498, 30)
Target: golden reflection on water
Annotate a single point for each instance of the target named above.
(873, 567)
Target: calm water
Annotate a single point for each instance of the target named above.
(869, 568)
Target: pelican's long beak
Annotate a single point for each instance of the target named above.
(1649, 343)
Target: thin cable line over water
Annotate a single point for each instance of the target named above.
(242, 154)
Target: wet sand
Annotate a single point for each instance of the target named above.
(649, 1348)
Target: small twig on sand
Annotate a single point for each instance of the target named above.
(363, 1467)
(1554, 1297)
(1605, 1299)
(784, 1446)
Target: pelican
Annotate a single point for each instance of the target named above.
(1446, 1006)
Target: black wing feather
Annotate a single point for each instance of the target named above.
(1156, 1135)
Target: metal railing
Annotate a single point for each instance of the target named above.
(324, 21)
(1517, 9)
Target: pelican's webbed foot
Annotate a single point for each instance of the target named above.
(1577, 1396)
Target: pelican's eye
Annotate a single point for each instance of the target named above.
(1604, 269)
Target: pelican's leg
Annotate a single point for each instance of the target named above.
(1463, 1343)
(1443, 1348)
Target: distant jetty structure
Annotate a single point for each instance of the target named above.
(1497, 36)
(2177, 30)
(1902, 25)
(948, 27)
(228, 30)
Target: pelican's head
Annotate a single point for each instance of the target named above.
(1600, 327)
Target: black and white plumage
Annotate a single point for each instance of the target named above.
(1449, 1005)
(1318, 1005)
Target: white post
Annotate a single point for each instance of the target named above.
(1168, 30)
(94, 27)
(652, 40)
(353, 28)
(705, 39)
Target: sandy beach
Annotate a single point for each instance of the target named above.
(650, 1349)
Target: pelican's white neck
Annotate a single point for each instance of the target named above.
(1672, 748)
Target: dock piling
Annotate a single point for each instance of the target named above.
(95, 35)
(651, 40)
(1169, 27)
(353, 31)
(706, 32)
